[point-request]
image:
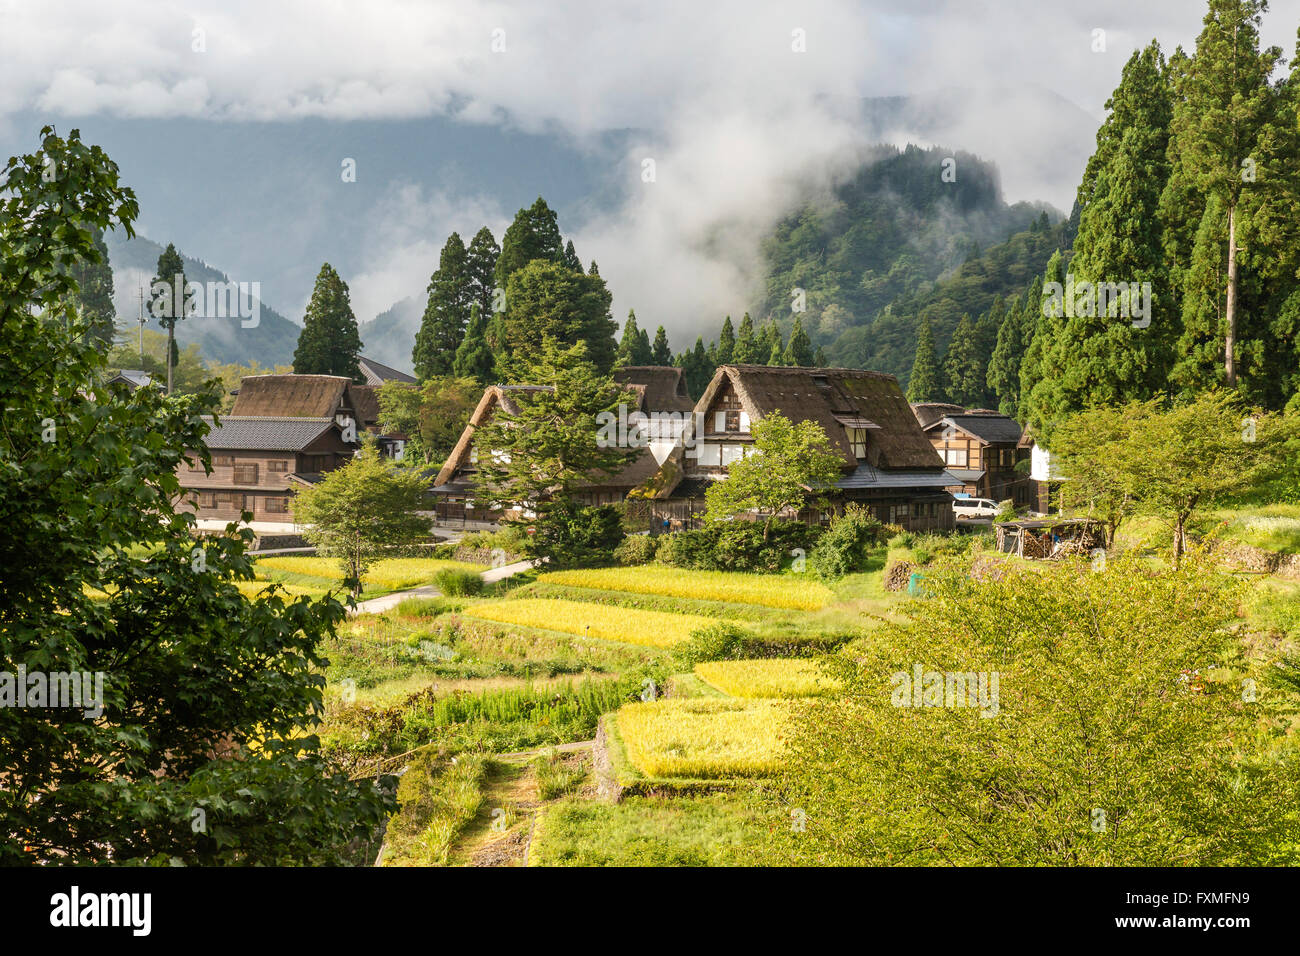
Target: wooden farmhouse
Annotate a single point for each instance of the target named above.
(652, 390)
(889, 464)
(981, 448)
(284, 431)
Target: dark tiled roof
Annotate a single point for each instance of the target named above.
(866, 476)
(266, 434)
(990, 427)
(377, 374)
(966, 474)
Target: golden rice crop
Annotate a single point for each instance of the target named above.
(771, 590)
(603, 621)
(391, 573)
(703, 738)
(782, 677)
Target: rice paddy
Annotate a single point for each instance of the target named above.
(781, 677)
(703, 738)
(789, 591)
(600, 621)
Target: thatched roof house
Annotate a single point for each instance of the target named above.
(295, 396)
(650, 388)
(888, 463)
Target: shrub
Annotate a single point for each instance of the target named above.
(570, 535)
(845, 546)
(737, 546)
(458, 583)
(715, 642)
(636, 549)
(425, 607)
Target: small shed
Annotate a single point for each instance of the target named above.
(1050, 537)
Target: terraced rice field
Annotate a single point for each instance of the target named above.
(391, 574)
(790, 591)
(703, 738)
(601, 621)
(782, 677)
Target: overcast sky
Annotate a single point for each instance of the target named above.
(738, 109)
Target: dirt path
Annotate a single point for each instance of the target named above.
(389, 601)
(502, 833)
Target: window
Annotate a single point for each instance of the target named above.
(955, 456)
(246, 474)
(732, 453)
(278, 466)
(1008, 457)
(222, 461)
(207, 499)
(277, 505)
(858, 439)
(898, 514)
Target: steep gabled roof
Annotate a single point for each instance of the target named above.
(293, 396)
(828, 396)
(636, 472)
(265, 434)
(376, 373)
(367, 404)
(662, 387)
(927, 413)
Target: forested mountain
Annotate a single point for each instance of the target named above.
(896, 239)
(271, 342)
(389, 336)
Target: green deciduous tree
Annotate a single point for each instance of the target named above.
(1043, 769)
(548, 300)
(363, 512)
(209, 699)
(329, 343)
(789, 466)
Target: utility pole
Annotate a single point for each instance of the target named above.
(141, 321)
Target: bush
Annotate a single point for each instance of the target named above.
(636, 549)
(569, 535)
(845, 546)
(716, 642)
(457, 582)
(426, 607)
(737, 546)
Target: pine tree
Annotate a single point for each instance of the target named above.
(660, 353)
(798, 351)
(481, 265)
(1225, 102)
(169, 304)
(962, 371)
(571, 257)
(771, 345)
(696, 368)
(726, 343)
(820, 358)
(1003, 376)
(329, 343)
(1040, 376)
(923, 383)
(474, 358)
(451, 293)
(1103, 358)
(634, 347)
(534, 234)
(746, 351)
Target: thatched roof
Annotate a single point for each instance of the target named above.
(367, 404)
(830, 397)
(635, 473)
(662, 387)
(927, 413)
(293, 396)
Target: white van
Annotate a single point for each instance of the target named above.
(967, 508)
